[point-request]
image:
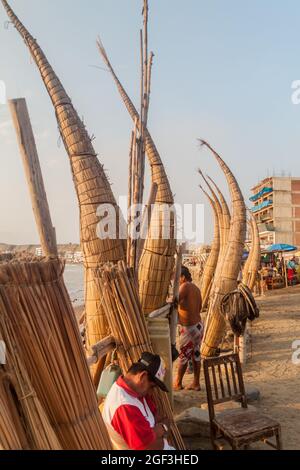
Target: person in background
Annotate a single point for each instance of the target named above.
(264, 274)
(291, 270)
(129, 412)
(190, 330)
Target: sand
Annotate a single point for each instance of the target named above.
(269, 367)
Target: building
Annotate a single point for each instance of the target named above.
(276, 207)
(39, 252)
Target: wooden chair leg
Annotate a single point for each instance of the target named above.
(234, 445)
(213, 438)
(278, 439)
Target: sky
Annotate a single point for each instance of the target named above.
(223, 71)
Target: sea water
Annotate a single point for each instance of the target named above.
(73, 277)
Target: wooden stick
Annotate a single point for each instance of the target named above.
(101, 348)
(34, 177)
(146, 219)
(160, 311)
(129, 200)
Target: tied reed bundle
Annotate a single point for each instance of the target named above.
(91, 183)
(157, 259)
(36, 301)
(9, 439)
(228, 269)
(18, 400)
(128, 326)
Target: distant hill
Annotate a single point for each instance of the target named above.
(72, 247)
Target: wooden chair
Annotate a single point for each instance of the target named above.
(241, 426)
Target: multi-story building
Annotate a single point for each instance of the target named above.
(276, 207)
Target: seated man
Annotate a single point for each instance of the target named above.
(130, 414)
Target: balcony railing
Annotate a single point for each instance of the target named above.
(266, 228)
(262, 206)
(261, 193)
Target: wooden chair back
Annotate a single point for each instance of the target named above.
(224, 381)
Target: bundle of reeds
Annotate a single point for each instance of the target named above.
(91, 183)
(212, 260)
(34, 298)
(9, 439)
(157, 259)
(128, 327)
(254, 259)
(31, 424)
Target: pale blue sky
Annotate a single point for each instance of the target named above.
(222, 71)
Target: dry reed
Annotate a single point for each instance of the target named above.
(128, 327)
(36, 301)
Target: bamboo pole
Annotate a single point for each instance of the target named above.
(174, 313)
(157, 261)
(146, 219)
(34, 177)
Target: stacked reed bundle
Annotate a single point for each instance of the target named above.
(158, 257)
(246, 268)
(30, 420)
(91, 184)
(225, 211)
(212, 260)
(128, 327)
(210, 272)
(226, 226)
(252, 265)
(34, 298)
(230, 265)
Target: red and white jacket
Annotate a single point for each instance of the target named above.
(129, 418)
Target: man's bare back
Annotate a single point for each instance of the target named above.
(190, 304)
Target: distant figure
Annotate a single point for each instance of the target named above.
(291, 270)
(190, 329)
(264, 275)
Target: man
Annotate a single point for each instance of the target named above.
(129, 412)
(190, 329)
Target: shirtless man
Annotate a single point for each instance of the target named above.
(190, 329)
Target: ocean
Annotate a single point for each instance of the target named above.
(74, 279)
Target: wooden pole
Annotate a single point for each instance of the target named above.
(174, 313)
(34, 177)
(146, 219)
(285, 271)
(243, 347)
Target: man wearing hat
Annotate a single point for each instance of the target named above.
(129, 412)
